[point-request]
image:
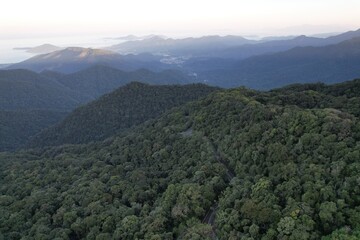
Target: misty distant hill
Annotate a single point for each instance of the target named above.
(328, 64)
(249, 50)
(73, 59)
(98, 80)
(136, 38)
(235, 47)
(187, 46)
(42, 49)
(45, 48)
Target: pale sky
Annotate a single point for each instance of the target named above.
(27, 18)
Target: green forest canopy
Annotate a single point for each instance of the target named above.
(294, 151)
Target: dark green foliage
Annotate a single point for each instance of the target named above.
(343, 234)
(343, 96)
(24, 93)
(16, 127)
(30, 102)
(296, 174)
(25, 90)
(128, 106)
(142, 185)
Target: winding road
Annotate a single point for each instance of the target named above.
(230, 174)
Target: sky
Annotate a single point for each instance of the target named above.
(45, 18)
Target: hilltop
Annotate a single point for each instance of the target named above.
(118, 111)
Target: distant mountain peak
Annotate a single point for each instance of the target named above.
(73, 59)
(304, 38)
(83, 52)
(47, 45)
(78, 52)
(41, 49)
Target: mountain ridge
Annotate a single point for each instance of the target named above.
(294, 166)
(73, 59)
(329, 64)
(236, 47)
(118, 111)
(28, 96)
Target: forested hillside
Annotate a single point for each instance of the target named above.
(16, 127)
(98, 80)
(263, 165)
(25, 96)
(30, 102)
(116, 112)
(23, 90)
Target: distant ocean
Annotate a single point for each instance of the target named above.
(9, 55)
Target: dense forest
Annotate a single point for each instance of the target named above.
(17, 127)
(282, 164)
(31, 102)
(118, 111)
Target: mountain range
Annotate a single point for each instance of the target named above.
(328, 64)
(24, 89)
(68, 78)
(235, 164)
(26, 97)
(245, 51)
(74, 59)
(186, 46)
(98, 80)
(257, 64)
(225, 47)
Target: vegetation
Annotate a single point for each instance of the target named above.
(26, 90)
(26, 97)
(118, 111)
(270, 165)
(98, 80)
(16, 127)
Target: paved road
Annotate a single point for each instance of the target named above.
(211, 213)
(230, 174)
